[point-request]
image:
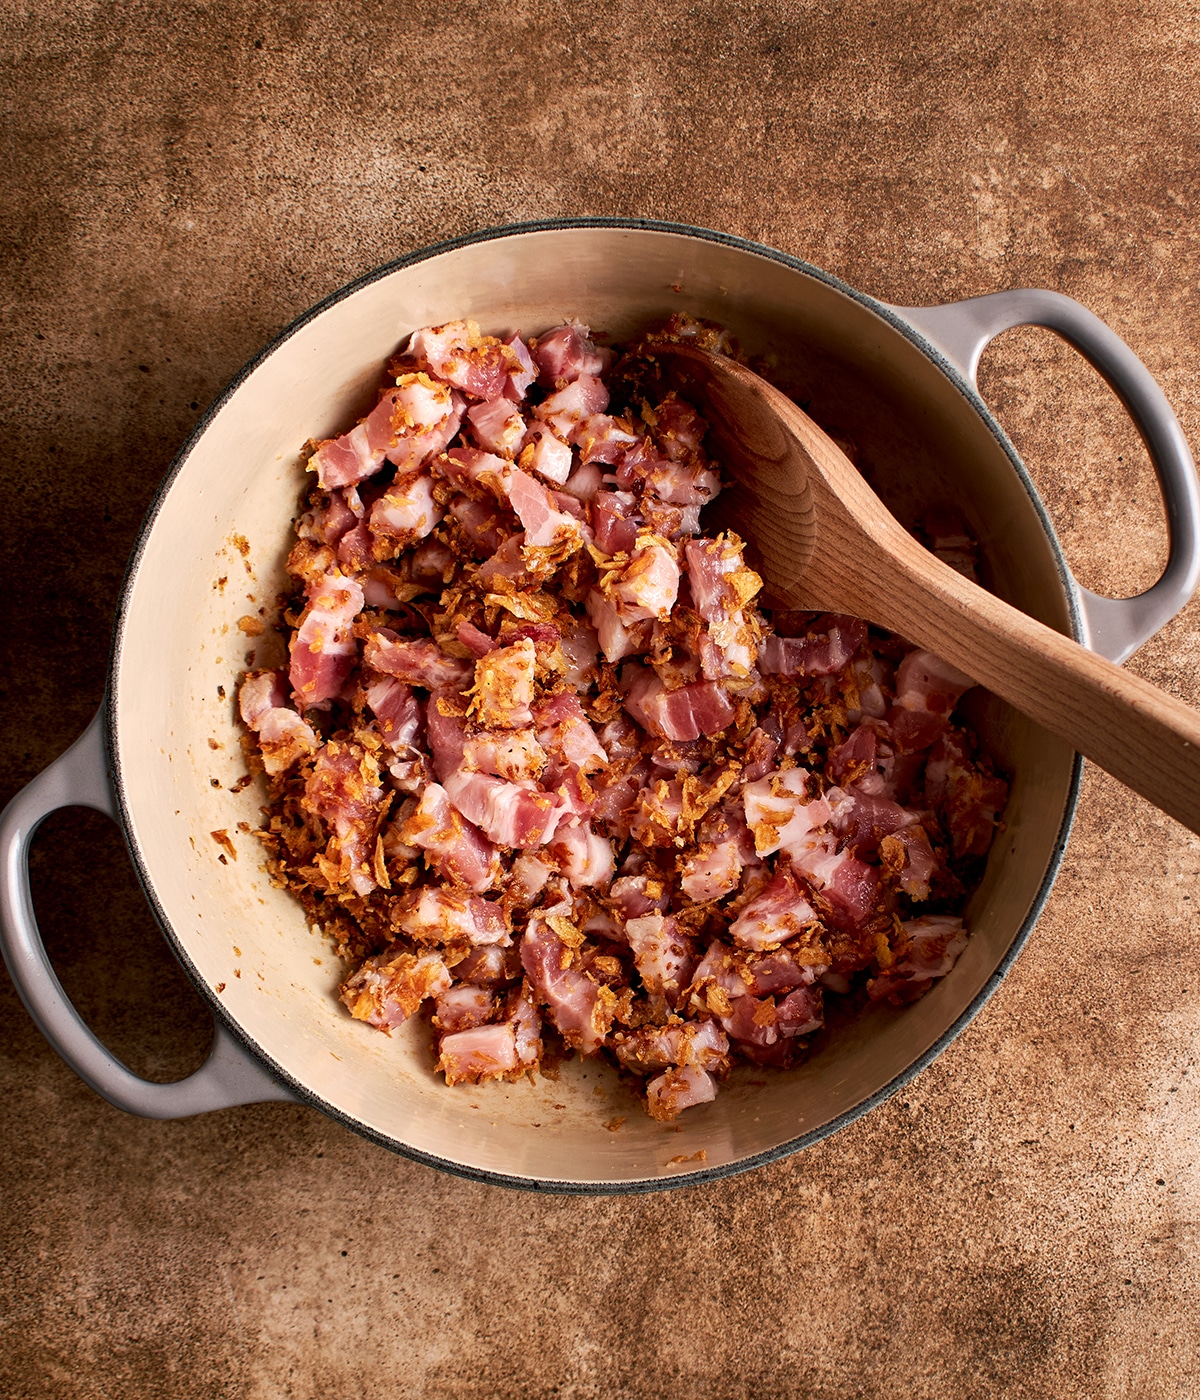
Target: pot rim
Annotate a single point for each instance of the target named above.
(224, 1018)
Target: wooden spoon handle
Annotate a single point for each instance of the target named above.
(1138, 733)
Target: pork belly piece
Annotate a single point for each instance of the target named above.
(408, 425)
(455, 848)
(656, 817)
(702, 707)
(602, 438)
(544, 452)
(399, 721)
(722, 589)
(566, 735)
(345, 791)
(566, 352)
(872, 676)
(778, 913)
(483, 524)
(479, 1054)
(909, 856)
(679, 429)
(669, 1093)
(800, 1012)
(855, 758)
(584, 483)
(784, 969)
(512, 754)
(826, 648)
(522, 1014)
(566, 409)
(863, 819)
(649, 1048)
(502, 1049)
(585, 857)
(929, 949)
(849, 885)
(507, 566)
(719, 978)
(615, 521)
(424, 417)
(497, 426)
(418, 661)
(546, 527)
(687, 485)
(580, 1008)
(663, 954)
(283, 737)
(615, 638)
(784, 813)
(966, 794)
(328, 522)
(462, 1006)
(580, 647)
(516, 386)
(403, 515)
(481, 475)
(510, 814)
(397, 710)
(503, 690)
(479, 365)
(645, 585)
(762, 749)
(762, 1022)
(491, 965)
(927, 690)
(446, 729)
(386, 990)
(323, 648)
(712, 870)
(439, 914)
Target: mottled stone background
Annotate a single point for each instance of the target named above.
(178, 182)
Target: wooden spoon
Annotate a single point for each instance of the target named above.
(825, 541)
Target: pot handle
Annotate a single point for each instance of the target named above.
(229, 1076)
(960, 331)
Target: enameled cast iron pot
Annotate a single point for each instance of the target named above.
(900, 381)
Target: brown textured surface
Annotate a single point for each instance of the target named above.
(180, 182)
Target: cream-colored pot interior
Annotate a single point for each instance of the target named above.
(213, 554)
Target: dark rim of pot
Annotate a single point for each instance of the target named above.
(549, 1185)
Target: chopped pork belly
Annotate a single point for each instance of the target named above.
(421, 662)
(779, 912)
(403, 515)
(564, 353)
(323, 647)
(479, 1054)
(546, 453)
(462, 1006)
(436, 914)
(580, 1008)
(650, 1048)
(646, 585)
(669, 1093)
(824, 650)
(410, 423)
(479, 365)
(541, 764)
(504, 686)
(455, 848)
(386, 990)
(929, 950)
(283, 737)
